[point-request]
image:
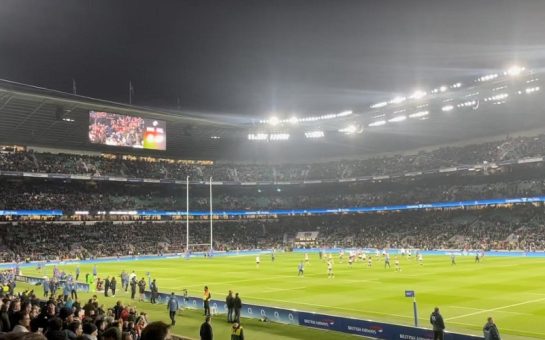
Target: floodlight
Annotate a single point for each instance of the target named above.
(447, 108)
(398, 100)
(515, 70)
(344, 113)
(274, 120)
(293, 120)
(397, 119)
(443, 88)
(419, 114)
(488, 77)
(532, 89)
(379, 105)
(378, 123)
(418, 94)
(351, 129)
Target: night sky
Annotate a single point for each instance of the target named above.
(254, 58)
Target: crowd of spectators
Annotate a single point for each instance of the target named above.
(517, 227)
(507, 149)
(25, 316)
(93, 197)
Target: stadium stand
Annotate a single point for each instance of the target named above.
(507, 149)
(511, 228)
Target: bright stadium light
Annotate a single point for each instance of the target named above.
(274, 120)
(532, 89)
(377, 123)
(351, 129)
(488, 77)
(447, 108)
(344, 113)
(500, 96)
(514, 70)
(397, 119)
(398, 100)
(418, 94)
(455, 86)
(314, 134)
(419, 114)
(258, 136)
(443, 88)
(279, 136)
(293, 120)
(379, 105)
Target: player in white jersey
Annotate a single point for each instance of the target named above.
(330, 270)
(396, 263)
(341, 255)
(257, 261)
(306, 258)
(420, 259)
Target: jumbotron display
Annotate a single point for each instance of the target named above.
(127, 131)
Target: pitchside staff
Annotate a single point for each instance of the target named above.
(438, 324)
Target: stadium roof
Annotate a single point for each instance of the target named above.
(486, 106)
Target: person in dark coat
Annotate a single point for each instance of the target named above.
(113, 285)
(206, 330)
(106, 286)
(230, 302)
(438, 324)
(237, 306)
(491, 331)
(133, 287)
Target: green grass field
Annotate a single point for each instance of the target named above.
(512, 290)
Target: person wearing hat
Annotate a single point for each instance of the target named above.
(237, 332)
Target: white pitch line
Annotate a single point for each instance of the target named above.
(484, 310)
(273, 290)
(495, 309)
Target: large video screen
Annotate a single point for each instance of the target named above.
(128, 131)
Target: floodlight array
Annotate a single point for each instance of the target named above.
(294, 120)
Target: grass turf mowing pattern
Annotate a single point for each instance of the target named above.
(509, 289)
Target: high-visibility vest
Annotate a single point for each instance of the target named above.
(236, 334)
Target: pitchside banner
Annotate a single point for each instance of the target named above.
(373, 329)
(335, 323)
(274, 314)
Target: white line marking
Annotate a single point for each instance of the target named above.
(495, 309)
(273, 290)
